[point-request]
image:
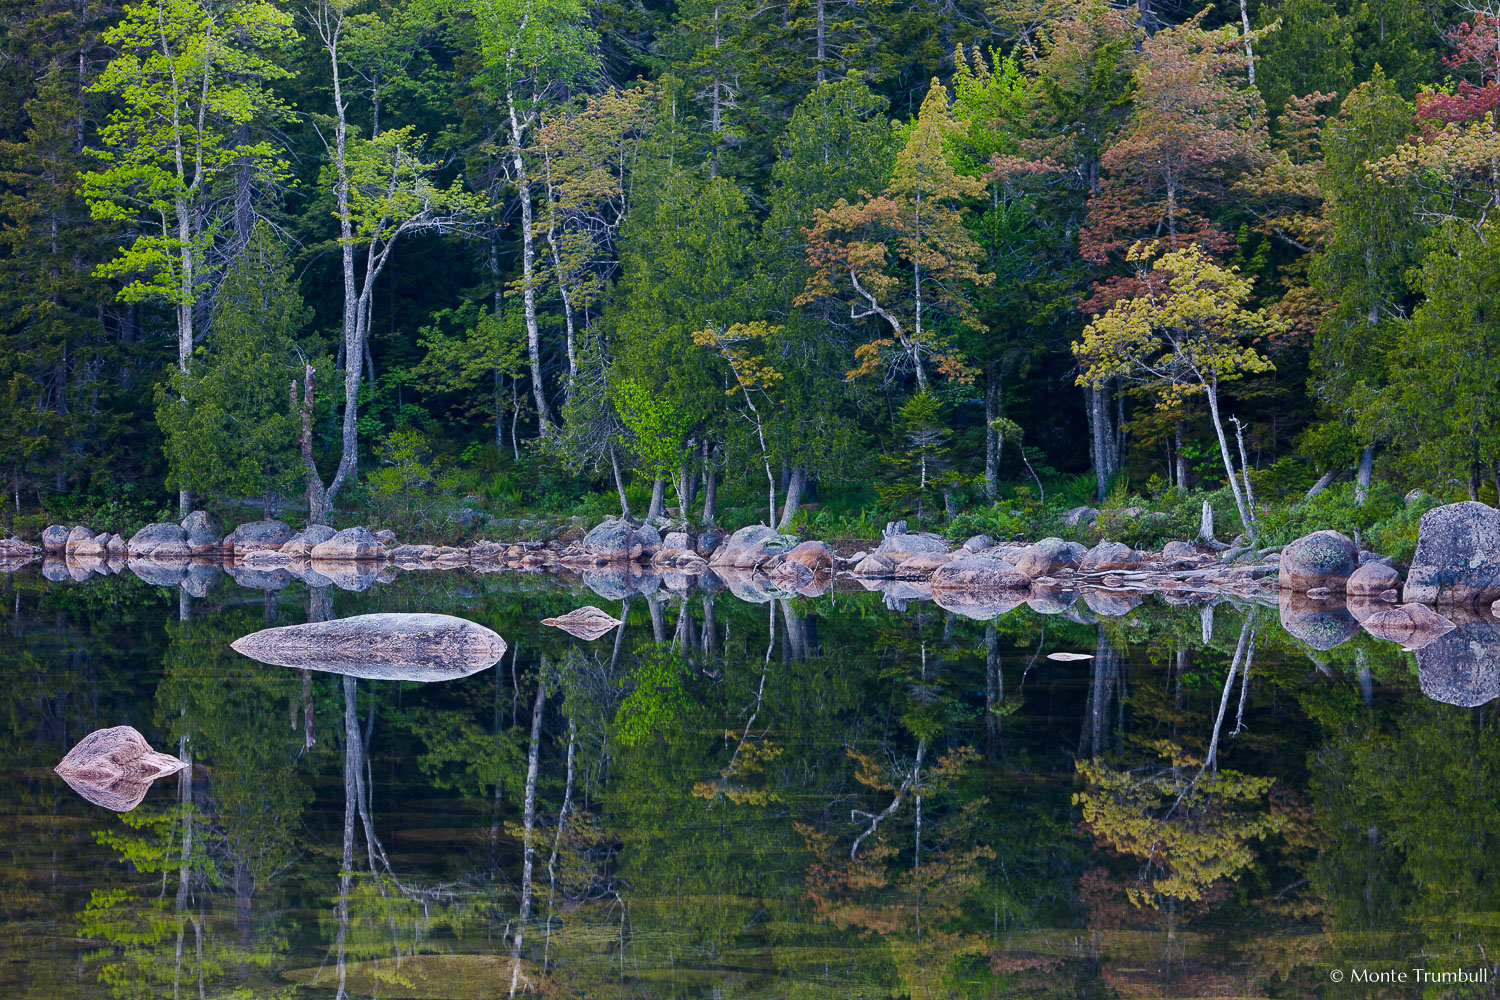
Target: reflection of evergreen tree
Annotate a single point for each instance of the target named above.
(1383, 792)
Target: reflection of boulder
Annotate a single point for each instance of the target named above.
(1111, 603)
(55, 570)
(351, 575)
(201, 578)
(11, 563)
(1412, 625)
(979, 605)
(1051, 600)
(80, 568)
(1363, 607)
(1321, 624)
(258, 579)
(159, 574)
(1462, 667)
(609, 582)
(587, 622)
(114, 767)
(750, 586)
(417, 647)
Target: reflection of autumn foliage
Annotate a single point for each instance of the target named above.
(749, 761)
(910, 878)
(1193, 828)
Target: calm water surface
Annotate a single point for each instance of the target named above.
(845, 796)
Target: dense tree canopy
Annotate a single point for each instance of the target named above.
(508, 221)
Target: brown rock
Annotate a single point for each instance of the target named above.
(1371, 579)
(418, 647)
(587, 622)
(114, 767)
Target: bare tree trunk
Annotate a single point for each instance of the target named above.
(1234, 482)
(796, 483)
(528, 266)
(992, 438)
(317, 499)
(710, 492)
(1180, 460)
(1366, 469)
(614, 465)
(658, 498)
(1102, 440)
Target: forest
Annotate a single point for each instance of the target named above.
(813, 263)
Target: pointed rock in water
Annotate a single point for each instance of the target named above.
(114, 767)
(587, 622)
(415, 647)
(1412, 625)
(1069, 657)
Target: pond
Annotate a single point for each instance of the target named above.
(854, 795)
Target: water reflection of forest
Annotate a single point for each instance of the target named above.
(802, 797)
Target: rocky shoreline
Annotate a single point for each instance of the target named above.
(1455, 569)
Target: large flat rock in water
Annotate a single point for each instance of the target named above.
(397, 647)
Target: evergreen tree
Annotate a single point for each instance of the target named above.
(229, 426)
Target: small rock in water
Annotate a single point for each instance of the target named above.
(408, 647)
(587, 622)
(114, 767)
(1069, 657)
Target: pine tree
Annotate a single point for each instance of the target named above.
(229, 426)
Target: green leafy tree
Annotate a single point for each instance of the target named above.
(229, 428)
(188, 76)
(1185, 334)
(904, 257)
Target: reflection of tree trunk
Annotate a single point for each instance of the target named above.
(1211, 760)
(351, 798)
(796, 631)
(528, 825)
(710, 642)
(994, 691)
(184, 866)
(1106, 670)
(658, 619)
(562, 822)
(890, 810)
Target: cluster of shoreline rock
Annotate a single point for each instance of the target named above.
(1457, 564)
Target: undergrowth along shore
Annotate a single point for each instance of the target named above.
(1384, 520)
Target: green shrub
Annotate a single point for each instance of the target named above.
(1335, 508)
(1396, 534)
